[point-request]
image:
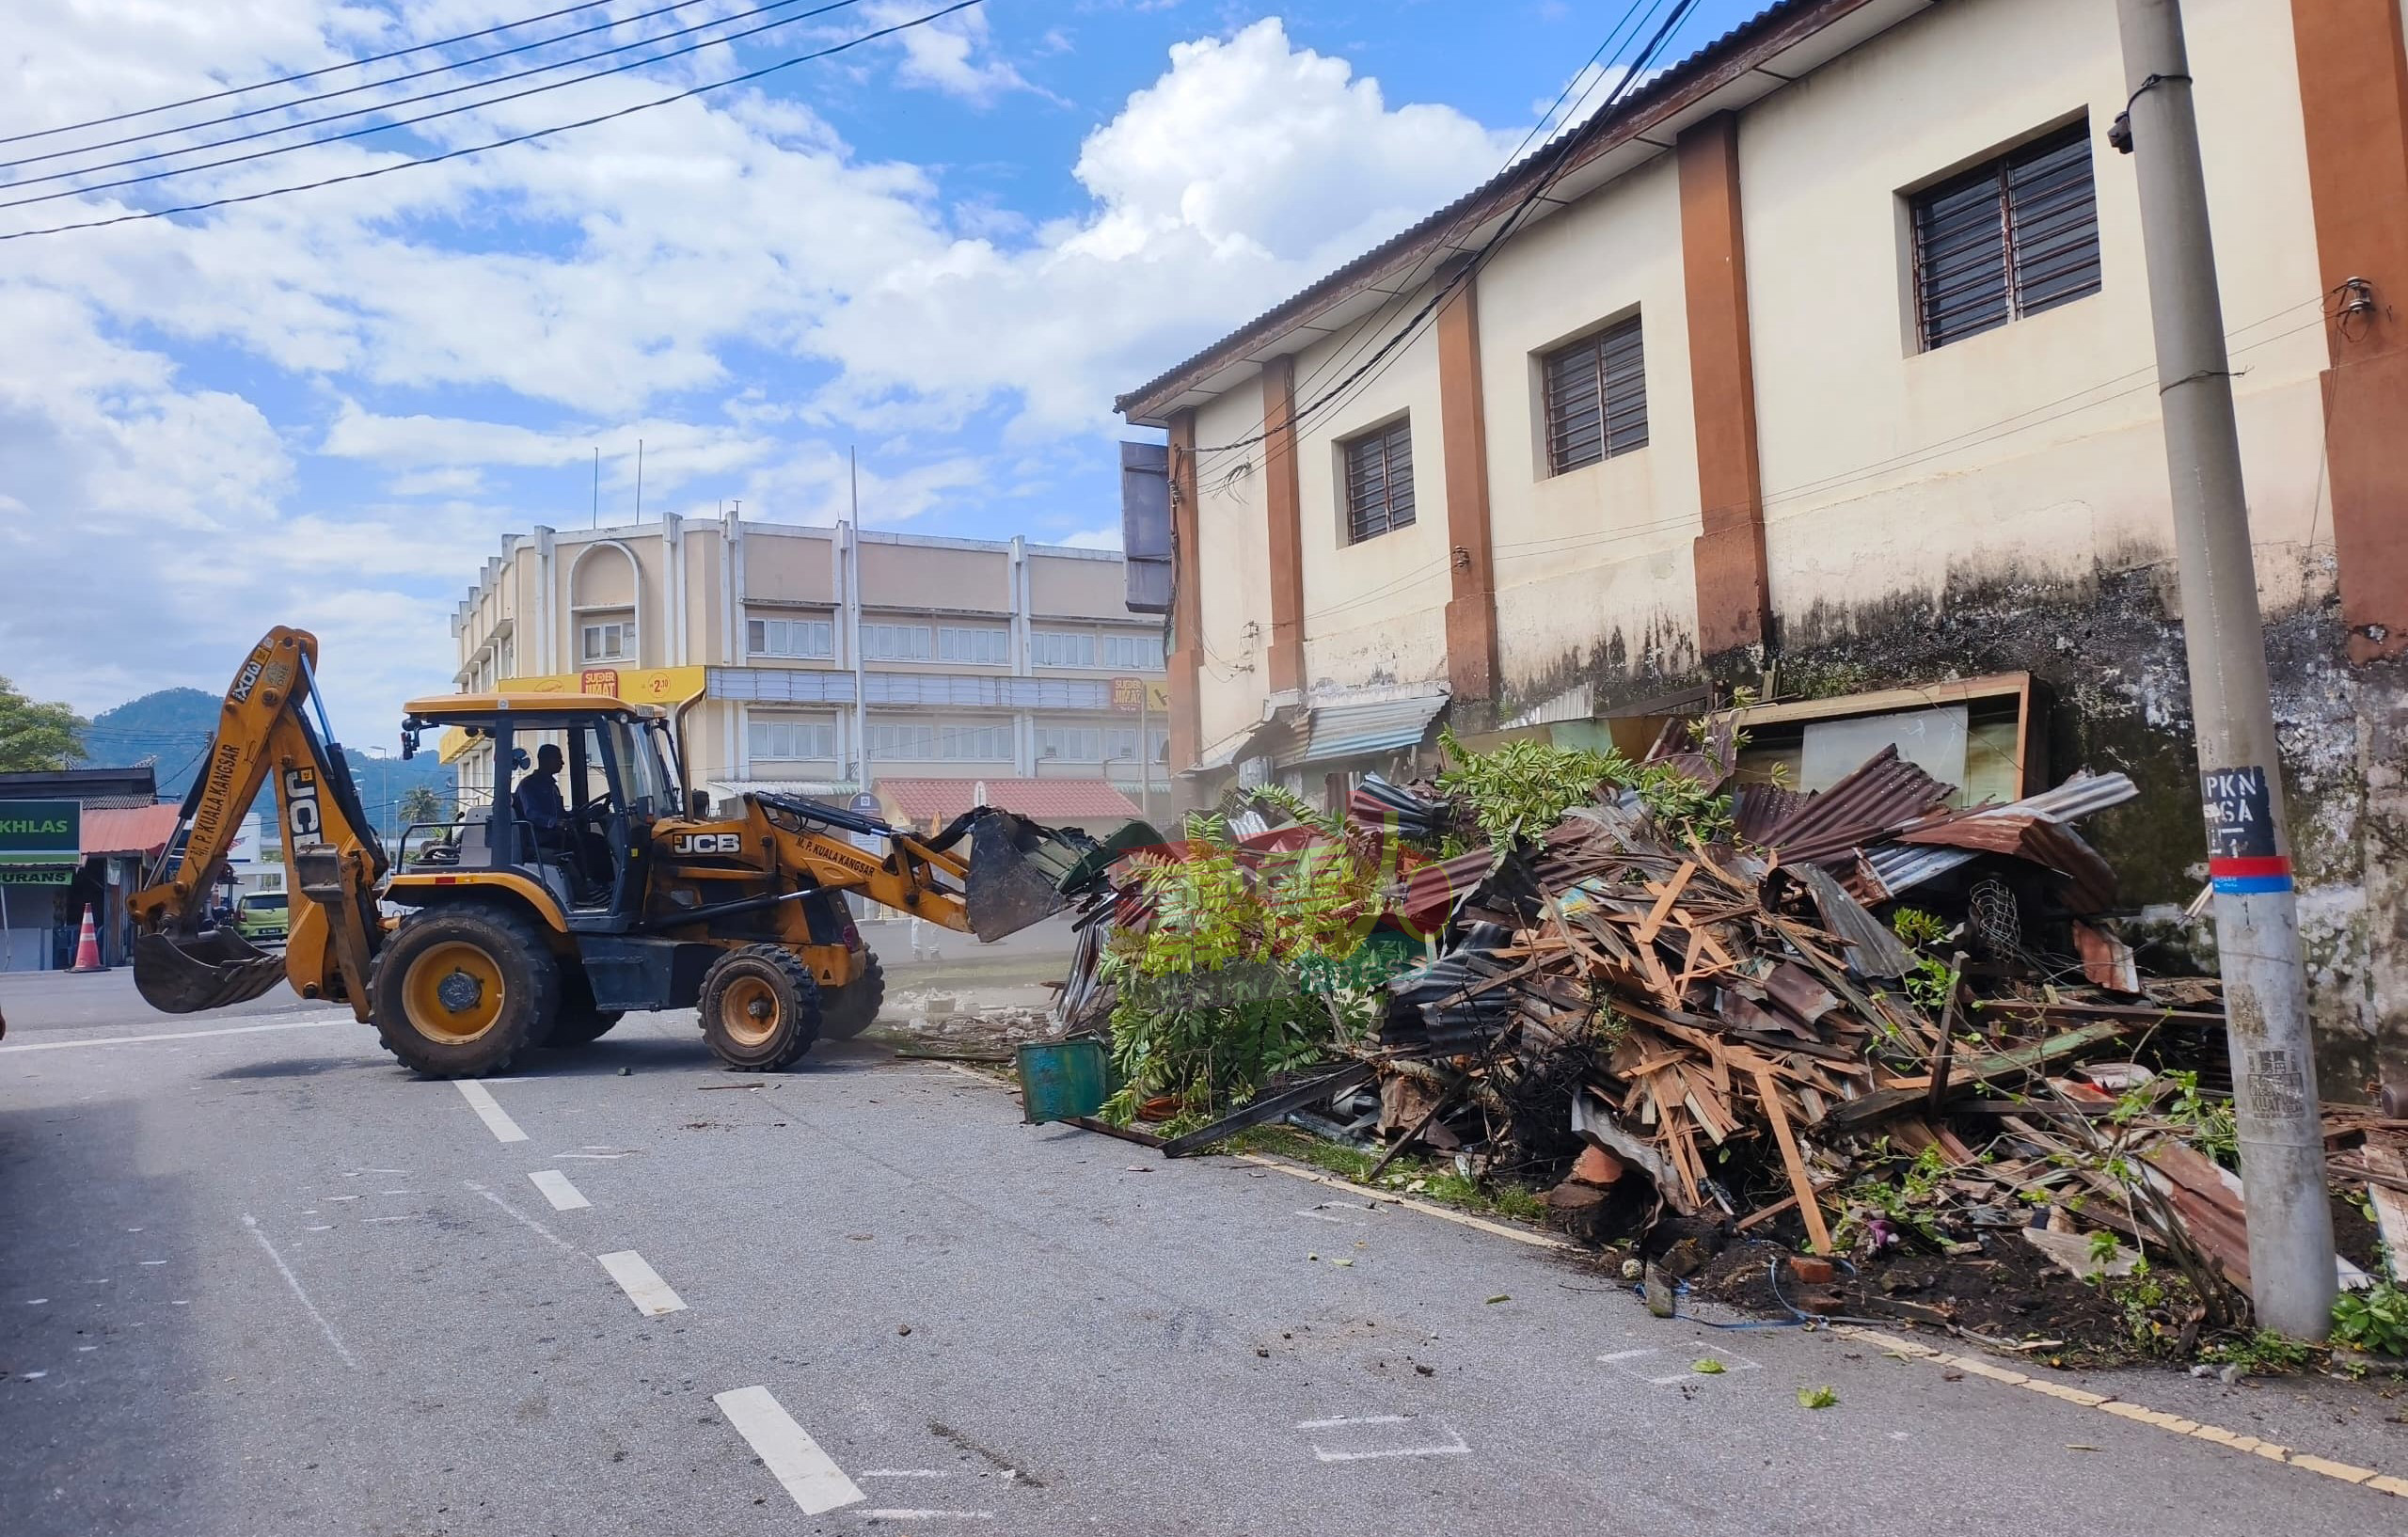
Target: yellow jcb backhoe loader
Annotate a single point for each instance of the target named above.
(624, 892)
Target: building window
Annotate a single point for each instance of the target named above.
(897, 643)
(787, 740)
(1596, 398)
(613, 641)
(1134, 652)
(1070, 744)
(2007, 240)
(790, 636)
(974, 647)
(923, 741)
(1379, 482)
(1061, 648)
(1120, 744)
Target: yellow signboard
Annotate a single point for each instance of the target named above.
(668, 687)
(1129, 695)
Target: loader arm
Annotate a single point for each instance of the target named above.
(333, 859)
(1009, 878)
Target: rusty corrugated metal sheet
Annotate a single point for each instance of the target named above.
(2090, 882)
(1884, 793)
(128, 830)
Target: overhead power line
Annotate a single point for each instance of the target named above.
(305, 74)
(447, 66)
(526, 137)
(423, 117)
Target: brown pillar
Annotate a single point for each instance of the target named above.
(1734, 592)
(1186, 660)
(1471, 608)
(1281, 498)
(2353, 103)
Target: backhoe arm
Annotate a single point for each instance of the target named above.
(333, 859)
(1009, 878)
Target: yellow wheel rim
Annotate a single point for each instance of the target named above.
(750, 1013)
(453, 992)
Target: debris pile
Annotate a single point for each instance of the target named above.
(1857, 1019)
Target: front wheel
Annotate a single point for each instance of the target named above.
(760, 1008)
(457, 992)
(853, 1008)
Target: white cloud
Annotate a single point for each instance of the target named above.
(1095, 539)
(532, 303)
(945, 54)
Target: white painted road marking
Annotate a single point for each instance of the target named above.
(176, 1034)
(1366, 1439)
(295, 1282)
(648, 1291)
(496, 1119)
(929, 1515)
(563, 1195)
(550, 1237)
(1623, 1361)
(807, 1474)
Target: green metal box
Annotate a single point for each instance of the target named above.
(1061, 1079)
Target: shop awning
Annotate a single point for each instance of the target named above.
(143, 830)
(1367, 729)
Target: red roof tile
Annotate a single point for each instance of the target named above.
(1039, 799)
(131, 829)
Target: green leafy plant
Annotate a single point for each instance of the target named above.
(2103, 1245)
(2374, 1320)
(1524, 787)
(1930, 984)
(1916, 929)
(1683, 807)
(2261, 1352)
(1296, 808)
(1818, 1398)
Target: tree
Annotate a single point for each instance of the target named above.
(419, 803)
(34, 736)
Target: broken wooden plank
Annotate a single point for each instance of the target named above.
(1665, 897)
(1888, 1102)
(1818, 1234)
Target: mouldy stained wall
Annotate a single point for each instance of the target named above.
(2110, 650)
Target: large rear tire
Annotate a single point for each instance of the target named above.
(459, 990)
(849, 1010)
(578, 1023)
(760, 1008)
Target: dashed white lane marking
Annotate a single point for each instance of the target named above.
(650, 1293)
(496, 1119)
(550, 1237)
(563, 1195)
(1625, 1361)
(911, 1473)
(175, 1035)
(1349, 1419)
(303, 1297)
(928, 1515)
(807, 1474)
(1365, 1434)
(410, 1218)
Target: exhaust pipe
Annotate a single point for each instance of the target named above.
(207, 971)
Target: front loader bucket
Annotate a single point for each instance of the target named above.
(1015, 872)
(208, 971)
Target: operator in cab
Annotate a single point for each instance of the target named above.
(537, 800)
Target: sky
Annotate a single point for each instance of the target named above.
(948, 248)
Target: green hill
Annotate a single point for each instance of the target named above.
(171, 729)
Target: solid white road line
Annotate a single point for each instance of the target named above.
(177, 1035)
(295, 1282)
(496, 1119)
(786, 1448)
(563, 1195)
(645, 1287)
(1350, 1420)
(928, 1515)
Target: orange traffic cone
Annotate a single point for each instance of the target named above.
(87, 945)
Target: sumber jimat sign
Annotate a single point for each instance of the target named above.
(41, 827)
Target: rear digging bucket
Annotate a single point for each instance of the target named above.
(208, 971)
(1016, 870)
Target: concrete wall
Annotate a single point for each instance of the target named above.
(1233, 566)
(798, 566)
(1061, 586)
(1593, 566)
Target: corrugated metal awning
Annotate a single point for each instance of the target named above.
(1367, 729)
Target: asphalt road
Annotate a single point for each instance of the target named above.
(266, 1282)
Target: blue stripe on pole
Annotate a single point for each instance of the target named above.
(2247, 885)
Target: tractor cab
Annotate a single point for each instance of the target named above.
(577, 783)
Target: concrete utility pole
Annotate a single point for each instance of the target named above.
(2273, 1065)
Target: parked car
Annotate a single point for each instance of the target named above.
(262, 916)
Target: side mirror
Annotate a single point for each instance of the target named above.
(698, 805)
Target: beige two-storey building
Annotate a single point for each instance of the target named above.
(829, 661)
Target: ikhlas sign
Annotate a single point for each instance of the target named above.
(41, 827)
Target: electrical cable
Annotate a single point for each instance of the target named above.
(407, 123)
(528, 137)
(448, 67)
(306, 74)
